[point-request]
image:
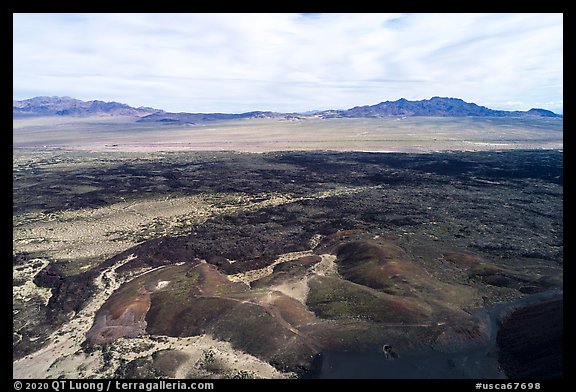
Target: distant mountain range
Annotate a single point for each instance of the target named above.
(66, 106)
(434, 107)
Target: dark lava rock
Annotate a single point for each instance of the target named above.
(68, 293)
(20, 258)
(531, 342)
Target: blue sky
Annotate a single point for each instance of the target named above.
(285, 62)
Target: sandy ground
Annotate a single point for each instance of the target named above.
(63, 354)
(250, 276)
(298, 288)
(391, 134)
(295, 288)
(98, 233)
(468, 146)
(105, 231)
(27, 272)
(76, 235)
(327, 266)
(64, 357)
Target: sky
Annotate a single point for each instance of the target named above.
(234, 63)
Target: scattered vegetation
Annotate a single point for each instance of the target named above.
(418, 239)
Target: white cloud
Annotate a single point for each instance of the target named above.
(289, 62)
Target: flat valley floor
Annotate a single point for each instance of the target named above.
(219, 264)
(389, 134)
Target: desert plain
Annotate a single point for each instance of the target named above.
(286, 248)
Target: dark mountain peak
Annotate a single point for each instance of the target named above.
(447, 99)
(192, 118)
(66, 106)
(433, 107)
(542, 113)
(45, 100)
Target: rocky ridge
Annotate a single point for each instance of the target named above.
(434, 107)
